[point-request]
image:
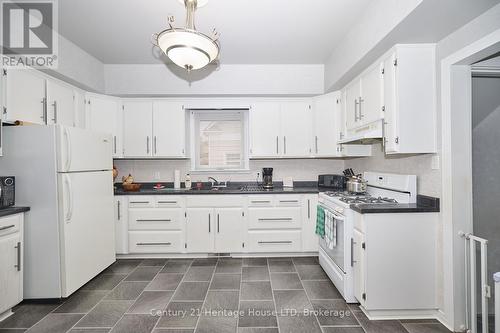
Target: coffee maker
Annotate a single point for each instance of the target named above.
(267, 178)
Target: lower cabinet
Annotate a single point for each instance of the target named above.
(11, 261)
(310, 241)
(274, 241)
(199, 230)
(229, 230)
(121, 225)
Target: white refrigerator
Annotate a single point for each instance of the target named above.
(64, 175)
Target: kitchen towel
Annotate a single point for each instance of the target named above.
(320, 221)
(330, 230)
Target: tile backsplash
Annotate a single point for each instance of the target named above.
(163, 170)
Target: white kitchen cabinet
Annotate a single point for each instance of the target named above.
(3, 108)
(25, 96)
(169, 129)
(138, 128)
(11, 261)
(310, 240)
(121, 225)
(370, 107)
(265, 129)
(352, 94)
(410, 101)
(229, 230)
(60, 104)
(295, 128)
(80, 108)
(104, 115)
(324, 125)
(199, 230)
(358, 262)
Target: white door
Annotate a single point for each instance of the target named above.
(10, 278)
(359, 264)
(104, 116)
(121, 225)
(137, 128)
(310, 240)
(370, 108)
(229, 230)
(200, 230)
(60, 104)
(265, 130)
(296, 129)
(25, 94)
(390, 119)
(325, 134)
(74, 145)
(86, 224)
(169, 129)
(352, 94)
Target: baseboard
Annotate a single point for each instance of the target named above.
(211, 255)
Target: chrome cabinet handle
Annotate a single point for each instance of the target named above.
(276, 219)
(7, 227)
(54, 105)
(284, 145)
(154, 144)
(119, 210)
(153, 220)
(261, 201)
(356, 103)
(275, 242)
(209, 231)
(218, 229)
(114, 144)
(147, 145)
(167, 202)
(308, 208)
(352, 252)
(277, 145)
(44, 110)
(316, 144)
(18, 247)
(153, 244)
(384, 140)
(289, 201)
(361, 116)
(139, 202)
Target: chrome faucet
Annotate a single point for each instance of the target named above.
(216, 183)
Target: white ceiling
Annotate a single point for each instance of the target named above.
(252, 31)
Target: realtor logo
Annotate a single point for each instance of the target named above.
(28, 33)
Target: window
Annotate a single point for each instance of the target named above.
(220, 140)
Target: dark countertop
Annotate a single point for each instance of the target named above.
(233, 188)
(13, 210)
(424, 204)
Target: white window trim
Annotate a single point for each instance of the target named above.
(226, 114)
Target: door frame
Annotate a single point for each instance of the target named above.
(456, 155)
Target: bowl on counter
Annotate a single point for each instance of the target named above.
(134, 187)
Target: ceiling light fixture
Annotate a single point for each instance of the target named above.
(187, 47)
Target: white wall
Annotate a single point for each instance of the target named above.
(235, 80)
(306, 169)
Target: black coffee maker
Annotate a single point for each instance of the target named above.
(267, 178)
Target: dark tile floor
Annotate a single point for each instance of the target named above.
(254, 295)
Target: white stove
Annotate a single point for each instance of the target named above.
(335, 254)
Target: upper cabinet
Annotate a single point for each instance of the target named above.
(410, 99)
(25, 96)
(60, 104)
(394, 101)
(154, 129)
(280, 129)
(103, 115)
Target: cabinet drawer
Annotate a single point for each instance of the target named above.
(155, 241)
(274, 241)
(10, 224)
(274, 218)
(141, 201)
(215, 201)
(288, 200)
(260, 201)
(155, 219)
(169, 202)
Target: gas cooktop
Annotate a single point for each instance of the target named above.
(355, 198)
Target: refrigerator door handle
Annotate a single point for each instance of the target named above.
(68, 149)
(69, 214)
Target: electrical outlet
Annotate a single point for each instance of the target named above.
(157, 175)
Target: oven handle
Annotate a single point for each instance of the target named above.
(335, 214)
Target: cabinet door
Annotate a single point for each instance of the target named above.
(25, 94)
(199, 230)
(352, 94)
(10, 277)
(80, 116)
(265, 130)
(325, 134)
(137, 128)
(390, 119)
(169, 129)
(104, 116)
(296, 128)
(60, 104)
(229, 230)
(310, 240)
(370, 106)
(121, 225)
(359, 265)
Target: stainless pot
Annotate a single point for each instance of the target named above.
(356, 185)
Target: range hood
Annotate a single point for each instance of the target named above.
(366, 135)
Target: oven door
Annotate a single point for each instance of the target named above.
(335, 249)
